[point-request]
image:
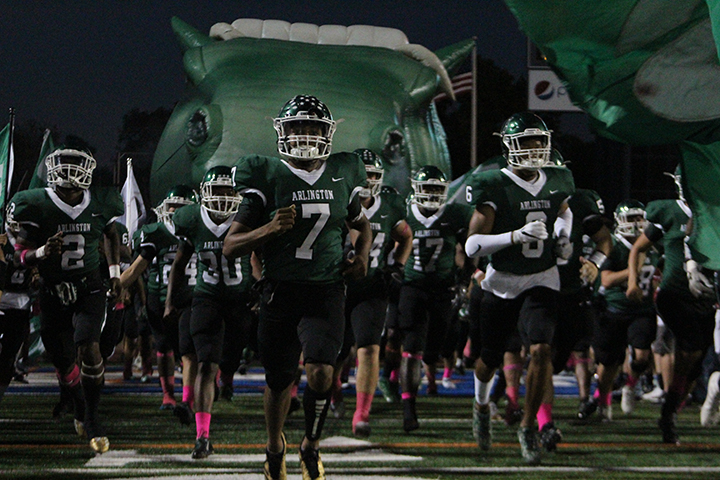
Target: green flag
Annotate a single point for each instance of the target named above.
(6, 162)
(39, 179)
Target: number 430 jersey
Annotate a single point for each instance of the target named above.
(311, 251)
(517, 202)
(44, 214)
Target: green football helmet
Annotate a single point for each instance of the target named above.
(70, 168)
(515, 133)
(305, 128)
(677, 178)
(630, 218)
(175, 198)
(430, 187)
(217, 191)
(374, 169)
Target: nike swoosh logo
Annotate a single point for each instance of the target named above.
(383, 216)
(444, 224)
(96, 214)
(553, 191)
(337, 179)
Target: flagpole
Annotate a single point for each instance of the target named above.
(6, 167)
(473, 109)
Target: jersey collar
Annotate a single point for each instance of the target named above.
(69, 210)
(532, 188)
(217, 230)
(309, 177)
(369, 212)
(426, 221)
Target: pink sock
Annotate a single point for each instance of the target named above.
(407, 395)
(394, 376)
(467, 352)
(362, 409)
(603, 399)
(168, 388)
(513, 394)
(447, 373)
(631, 381)
(544, 415)
(188, 394)
(202, 423)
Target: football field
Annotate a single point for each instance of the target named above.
(149, 443)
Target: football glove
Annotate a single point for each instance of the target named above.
(700, 286)
(563, 247)
(531, 232)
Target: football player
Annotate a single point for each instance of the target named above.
(294, 210)
(156, 245)
(425, 304)
(220, 317)
(367, 298)
(691, 318)
(624, 322)
(523, 222)
(61, 227)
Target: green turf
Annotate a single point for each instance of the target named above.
(33, 445)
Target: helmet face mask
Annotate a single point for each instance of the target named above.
(677, 178)
(526, 141)
(375, 171)
(305, 128)
(176, 197)
(217, 192)
(69, 168)
(430, 188)
(630, 219)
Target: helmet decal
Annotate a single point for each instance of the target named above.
(305, 128)
(430, 187)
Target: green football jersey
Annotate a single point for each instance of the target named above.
(431, 263)
(668, 220)
(617, 261)
(583, 203)
(384, 214)
(215, 275)
(312, 251)
(159, 239)
(82, 226)
(516, 203)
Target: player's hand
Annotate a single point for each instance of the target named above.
(355, 267)
(563, 247)
(3, 239)
(531, 232)
(394, 275)
(700, 286)
(634, 293)
(283, 220)
(115, 290)
(54, 244)
(588, 271)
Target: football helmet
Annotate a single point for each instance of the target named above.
(677, 178)
(630, 218)
(217, 191)
(430, 187)
(69, 168)
(177, 196)
(515, 134)
(374, 169)
(305, 128)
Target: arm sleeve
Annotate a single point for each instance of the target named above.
(250, 211)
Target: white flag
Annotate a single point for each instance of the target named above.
(134, 205)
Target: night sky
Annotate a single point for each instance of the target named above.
(82, 65)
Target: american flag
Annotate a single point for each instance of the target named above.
(461, 84)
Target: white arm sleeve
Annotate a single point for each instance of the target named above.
(478, 245)
(563, 223)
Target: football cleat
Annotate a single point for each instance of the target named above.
(513, 414)
(410, 420)
(529, 446)
(275, 467)
(605, 413)
(390, 390)
(709, 414)
(361, 429)
(627, 404)
(482, 428)
(448, 384)
(203, 448)
(226, 392)
(100, 444)
(667, 427)
(586, 409)
(550, 437)
(311, 464)
(184, 413)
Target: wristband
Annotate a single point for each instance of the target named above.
(40, 253)
(114, 271)
(22, 258)
(597, 258)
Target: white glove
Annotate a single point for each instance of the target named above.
(699, 284)
(563, 247)
(531, 232)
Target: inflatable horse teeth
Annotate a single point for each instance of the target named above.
(374, 81)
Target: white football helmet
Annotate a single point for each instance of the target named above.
(69, 168)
